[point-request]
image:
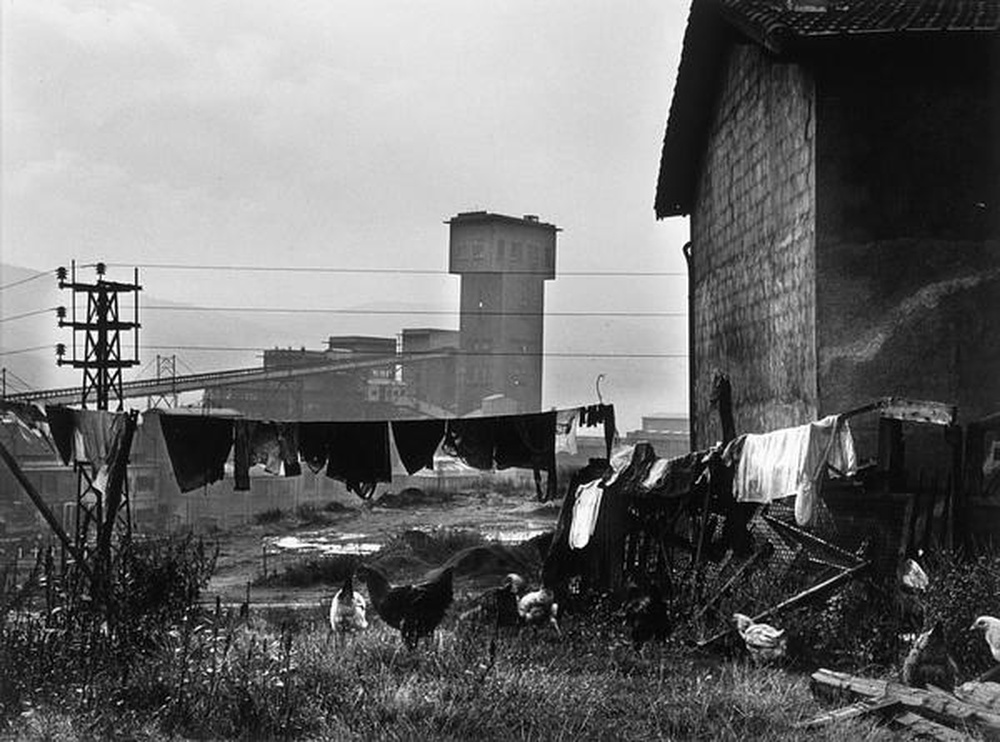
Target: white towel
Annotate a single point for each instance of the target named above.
(585, 511)
(788, 462)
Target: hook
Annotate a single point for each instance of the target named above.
(597, 386)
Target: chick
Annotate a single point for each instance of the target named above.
(990, 627)
(763, 641)
(929, 663)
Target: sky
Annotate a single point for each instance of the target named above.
(296, 138)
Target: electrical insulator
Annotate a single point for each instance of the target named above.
(60, 350)
(61, 273)
(61, 313)
(101, 269)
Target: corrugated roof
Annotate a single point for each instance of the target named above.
(784, 27)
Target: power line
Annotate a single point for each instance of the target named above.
(378, 271)
(402, 312)
(26, 280)
(484, 354)
(27, 350)
(27, 314)
(260, 349)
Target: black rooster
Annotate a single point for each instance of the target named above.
(416, 610)
(646, 613)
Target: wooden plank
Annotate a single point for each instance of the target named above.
(918, 411)
(924, 727)
(933, 700)
(853, 711)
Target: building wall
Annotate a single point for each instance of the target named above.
(908, 244)
(752, 234)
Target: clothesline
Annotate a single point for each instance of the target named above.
(359, 453)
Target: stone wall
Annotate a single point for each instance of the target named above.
(752, 232)
(908, 230)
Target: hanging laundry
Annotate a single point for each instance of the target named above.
(416, 441)
(566, 424)
(30, 420)
(526, 441)
(601, 414)
(359, 455)
(198, 446)
(61, 425)
(471, 439)
(315, 439)
(586, 509)
(789, 462)
(288, 449)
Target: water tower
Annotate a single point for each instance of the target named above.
(504, 262)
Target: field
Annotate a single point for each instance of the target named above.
(186, 659)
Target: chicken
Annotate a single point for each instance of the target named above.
(763, 641)
(646, 614)
(347, 611)
(913, 577)
(539, 606)
(990, 627)
(912, 586)
(929, 663)
(416, 610)
(499, 604)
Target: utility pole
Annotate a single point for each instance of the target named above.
(98, 512)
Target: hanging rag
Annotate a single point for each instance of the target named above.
(315, 439)
(528, 441)
(61, 426)
(471, 439)
(359, 455)
(30, 420)
(416, 442)
(566, 424)
(288, 449)
(586, 508)
(198, 447)
(788, 463)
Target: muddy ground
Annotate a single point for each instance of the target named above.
(246, 552)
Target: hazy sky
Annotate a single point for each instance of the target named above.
(332, 134)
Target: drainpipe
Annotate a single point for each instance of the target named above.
(686, 250)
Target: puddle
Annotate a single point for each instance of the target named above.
(328, 544)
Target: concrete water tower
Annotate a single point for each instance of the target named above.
(504, 262)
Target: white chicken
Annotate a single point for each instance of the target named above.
(538, 607)
(347, 611)
(913, 577)
(763, 641)
(990, 627)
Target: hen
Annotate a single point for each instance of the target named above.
(498, 605)
(416, 610)
(347, 611)
(646, 613)
(539, 607)
(990, 627)
(763, 641)
(929, 663)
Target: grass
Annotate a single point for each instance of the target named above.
(166, 670)
(254, 680)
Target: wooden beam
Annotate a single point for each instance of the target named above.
(853, 711)
(794, 600)
(934, 701)
(921, 726)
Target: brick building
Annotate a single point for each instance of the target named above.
(840, 163)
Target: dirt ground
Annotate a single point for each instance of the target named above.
(245, 553)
